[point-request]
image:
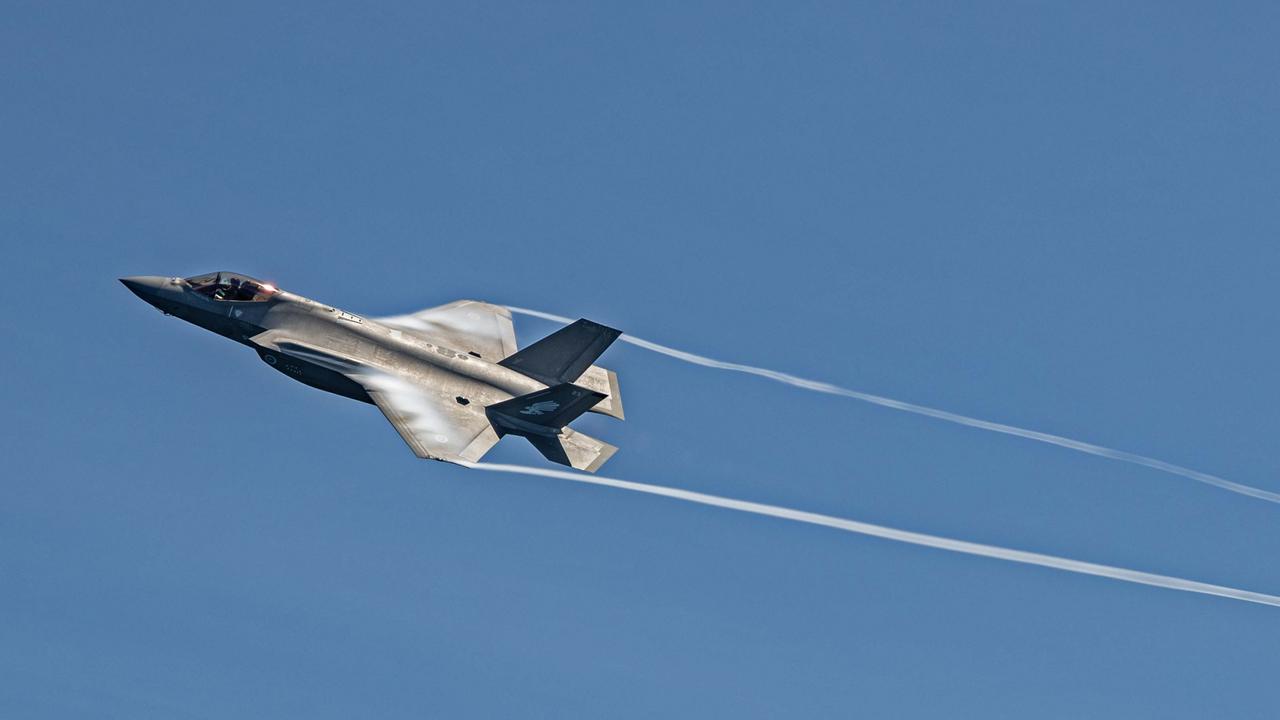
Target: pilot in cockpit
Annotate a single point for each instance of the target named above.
(223, 286)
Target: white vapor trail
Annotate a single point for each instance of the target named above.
(828, 388)
(904, 536)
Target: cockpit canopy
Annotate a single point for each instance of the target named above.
(232, 287)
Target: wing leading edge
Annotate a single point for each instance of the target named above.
(466, 325)
(430, 418)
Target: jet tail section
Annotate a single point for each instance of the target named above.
(564, 355)
(541, 417)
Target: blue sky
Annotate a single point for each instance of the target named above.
(1056, 216)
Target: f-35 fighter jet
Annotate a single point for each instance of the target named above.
(449, 378)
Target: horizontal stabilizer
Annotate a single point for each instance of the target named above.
(565, 354)
(605, 381)
(575, 450)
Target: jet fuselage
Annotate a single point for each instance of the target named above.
(329, 337)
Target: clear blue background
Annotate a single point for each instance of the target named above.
(1059, 216)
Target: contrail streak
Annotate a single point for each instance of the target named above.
(828, 388)
(904, 536)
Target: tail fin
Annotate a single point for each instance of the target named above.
(565, 354)
(541, 416)
(543, 412)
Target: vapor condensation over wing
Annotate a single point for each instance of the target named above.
(828, 388)
(904, 536)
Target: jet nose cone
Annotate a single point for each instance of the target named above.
(151, 289)
(144, 286)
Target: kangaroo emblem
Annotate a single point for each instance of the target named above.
(539, 408)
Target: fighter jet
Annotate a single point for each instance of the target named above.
(449, 379)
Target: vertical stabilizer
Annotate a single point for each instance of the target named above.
(564, 355)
